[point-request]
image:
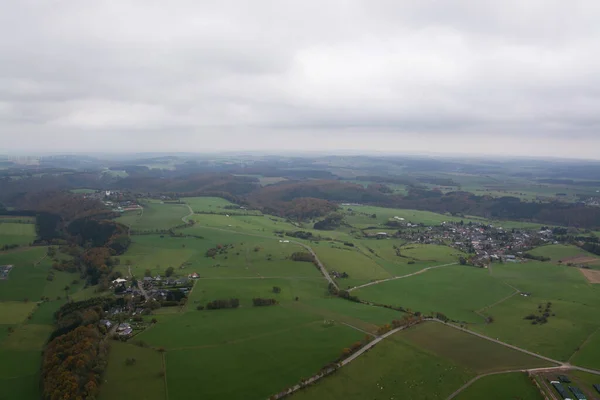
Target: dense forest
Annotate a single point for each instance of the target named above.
(76, 355)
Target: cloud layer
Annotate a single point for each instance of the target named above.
(460, 76)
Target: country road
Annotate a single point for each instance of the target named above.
(185, 219)
(400, 277)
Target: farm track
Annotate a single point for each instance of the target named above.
(185, 218)
(479, 312)
(357, 329)
(400, 277)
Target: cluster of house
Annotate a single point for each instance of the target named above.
(484, 242)
(123, 329)
(163, 281)
(592, 201)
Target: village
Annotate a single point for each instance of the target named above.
(136, 298)
(484, 243)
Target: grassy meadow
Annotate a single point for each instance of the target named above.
(16, 233)
(143, 380)
(154, 216)
(216, 205)
(574, 307)
(516, 385)
(457, 291)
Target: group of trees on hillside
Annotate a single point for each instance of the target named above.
(223, 303)
(76, 356)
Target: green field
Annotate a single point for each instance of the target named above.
(394, 369)
(26, 280)
(19, 374)
(428, 361)
(154, 216)
(14, 312)
(472, 352)
(574, 302)
(16, 233)
(516, 385)
(142, 380)
(588, 354)
(249, 256)
(263, 365)
(216, 205)
(457, 291)
(30, 320)
(558, 252)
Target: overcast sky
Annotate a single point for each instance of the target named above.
(494, 77)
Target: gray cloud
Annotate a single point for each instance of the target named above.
(466, 76)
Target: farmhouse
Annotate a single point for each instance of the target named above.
(105, 323)
(124, 329)
(194, 275)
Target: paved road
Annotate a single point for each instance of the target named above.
(400, 277)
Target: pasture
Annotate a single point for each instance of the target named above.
(15, 312)
(588, 354)
(242, 256)
(154, 216)
(16, 233)
(393, 369)
(27, 279)
(457, 291)
(19, 374)
(216, 205)
(516, 385)
(476, 354)
(573, 312)
(360, 267)
(262, 365)
(141, 380)
(558, 252)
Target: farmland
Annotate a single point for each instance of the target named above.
(452, 358)
(16, 233)
(233, 253)
(502, 386)
(457, 291)
(215, 205)
(142, 380)
(154, 216)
